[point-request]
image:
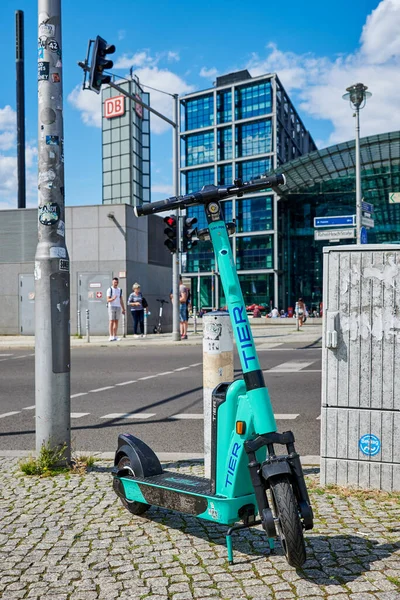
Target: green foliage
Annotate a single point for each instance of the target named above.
(50, 461)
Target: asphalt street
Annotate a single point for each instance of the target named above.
(154, 393)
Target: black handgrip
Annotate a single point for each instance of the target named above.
(152, 207)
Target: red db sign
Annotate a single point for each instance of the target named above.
(114, 107)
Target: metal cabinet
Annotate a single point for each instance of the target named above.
(360, 419)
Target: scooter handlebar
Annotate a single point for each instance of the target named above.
(209, 193)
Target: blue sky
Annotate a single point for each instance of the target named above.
(318, 49)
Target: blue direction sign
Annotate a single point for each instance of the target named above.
(363, 236)
(367, 207)
(335, 221)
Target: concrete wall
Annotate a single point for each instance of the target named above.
(99, 238)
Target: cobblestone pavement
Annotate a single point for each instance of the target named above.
(68, 537)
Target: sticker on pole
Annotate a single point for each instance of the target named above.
(369, 444)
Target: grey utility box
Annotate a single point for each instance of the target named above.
(360, 420)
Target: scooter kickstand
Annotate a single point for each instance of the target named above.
(228, 538)
(271, 542)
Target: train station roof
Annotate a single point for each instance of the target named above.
(376, 151)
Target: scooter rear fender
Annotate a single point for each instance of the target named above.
(143, 461)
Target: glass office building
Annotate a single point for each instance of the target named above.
(241, 128)
(125, 145)
(322, 184)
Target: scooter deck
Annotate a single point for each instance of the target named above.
(184, 493)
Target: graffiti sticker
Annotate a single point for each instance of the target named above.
(49, 213)
(43, 70)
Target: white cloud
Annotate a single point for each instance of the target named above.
(208, 73)
(173, 56)
(88, 103)
(7, 140)
(316, 84)
(139, 59)
(167, 81)
(8, 119)
(121, 34)
(9, 181)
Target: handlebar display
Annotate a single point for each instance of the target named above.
(209, 193)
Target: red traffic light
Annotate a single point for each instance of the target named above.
(170, 221)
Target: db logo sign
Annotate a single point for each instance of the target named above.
(114, 107)
(99, 294)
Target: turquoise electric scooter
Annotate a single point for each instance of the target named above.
(250, 484)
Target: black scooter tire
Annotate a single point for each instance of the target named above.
(135, 508)
(287, 522)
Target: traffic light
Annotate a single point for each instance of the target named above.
(100, 63)
(171, 233)
(188, 233)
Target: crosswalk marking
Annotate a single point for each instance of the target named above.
(165, 373)
(78, 415)
(126, 382)
(29, 407)
(108, 387)
(187, 416)
(9, 414)
(182, 368)
(128, 416)
(292, 366)
(285, 417)
(80, 394)
(148, 377)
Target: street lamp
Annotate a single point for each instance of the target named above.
(357, 95)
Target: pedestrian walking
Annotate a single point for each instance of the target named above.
(137, 304)
(184, 299)
(115, 304)
(301, 311)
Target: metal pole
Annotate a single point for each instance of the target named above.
(145, 322)
(358, 177)
(123, 325)
(52, 278)
(87, 325)
(176, 336)
(78, 321)
(19, 61)
(217, 368)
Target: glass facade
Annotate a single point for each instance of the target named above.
(126, 149)
(238, 140)
(333, 194)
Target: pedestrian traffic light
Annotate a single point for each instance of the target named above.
(188, 233)
(171, 233)
(100, 63)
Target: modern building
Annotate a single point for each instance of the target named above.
(241, 128)
(322, 184)
(125, 145)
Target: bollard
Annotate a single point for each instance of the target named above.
(123, 324)
(194, 320)
(87, 326)
(217, 368)
(145, 322)
(296, 312)
(78, 323)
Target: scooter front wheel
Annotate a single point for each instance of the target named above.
(135, 508)
(287, 522)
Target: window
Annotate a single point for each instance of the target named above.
(225, 175)
(199, 149)
(257, 289)
(250, 169)
(254, 214)
(224, 143)
(197, 178)
(253, 138)
(255, 252)
(199, 112)
(224, 106)
(253, 100)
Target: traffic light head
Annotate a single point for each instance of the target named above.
(188, 233)
(100, 63)
(171, 233)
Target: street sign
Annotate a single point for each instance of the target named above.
(334, 221)
(367, 207)
(363, 236)
(367, 222)
(334, 234)
(394, 197)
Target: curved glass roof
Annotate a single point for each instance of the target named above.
(376, 151)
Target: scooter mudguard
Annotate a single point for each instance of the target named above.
(143, 461)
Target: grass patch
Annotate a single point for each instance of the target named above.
(394, 580)
(351, 492)
(51, 461)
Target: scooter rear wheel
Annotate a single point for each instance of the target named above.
(135, 508)
(287, 522)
